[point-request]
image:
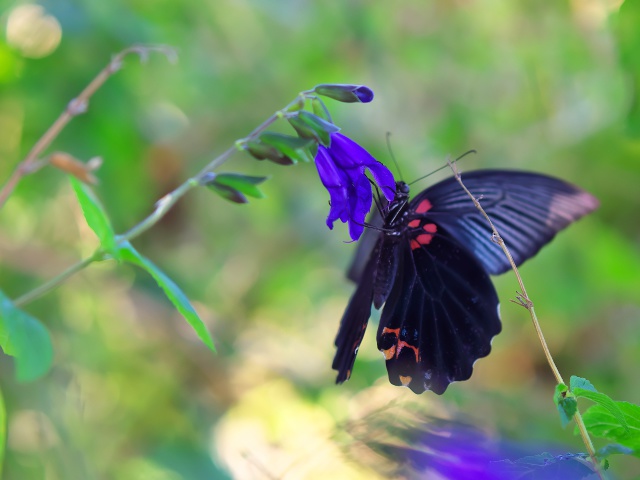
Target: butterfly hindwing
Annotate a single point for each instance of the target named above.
(355, 319)
(440, 316)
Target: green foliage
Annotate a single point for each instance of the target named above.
(582, 387)
(234, 186)
(171, 290)
(601, 422)
(320, 109)
(26, 339)
(309, 125)
(566, 403)
(544, 86)
(295, 148)
(96, 216)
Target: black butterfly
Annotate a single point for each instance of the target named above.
(429, 264)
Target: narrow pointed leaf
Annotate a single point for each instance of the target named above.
(262, 151)
(26, 339)
(234, 186)
(309, 125)
(96, 216)
(321, 110)
(243, 183)
(229, 193)
(171, 290)
(293, 147)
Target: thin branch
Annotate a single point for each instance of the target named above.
(75, 107)
(57, 280)
(162, 206)
(524, 300)
(165, 203)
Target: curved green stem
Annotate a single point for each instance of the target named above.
(164, 204)
(57, 280)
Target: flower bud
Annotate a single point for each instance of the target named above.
(345, 93)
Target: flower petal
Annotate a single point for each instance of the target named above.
(342, 168)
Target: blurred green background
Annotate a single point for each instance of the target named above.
(544, 86)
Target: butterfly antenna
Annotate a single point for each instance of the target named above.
(446, 165)
(393, 157)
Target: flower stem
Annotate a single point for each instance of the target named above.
(164, 204)
(57, 280)
(523, 299)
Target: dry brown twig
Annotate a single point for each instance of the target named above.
(77, 106)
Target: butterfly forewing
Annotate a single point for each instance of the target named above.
(440, 316)
(528, 209)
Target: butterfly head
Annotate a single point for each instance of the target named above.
(402, 192)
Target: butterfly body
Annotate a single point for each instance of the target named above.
(429, 265)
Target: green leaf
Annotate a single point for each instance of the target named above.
(96, 216)
(579, 382)
(320, 109)
(309, 125)
(583, 388)
(613, 449)
(26, 339)
(234, 186)
(566, 403)
(603, 400)
(171, 290)
(601, 422)
(295, 148)
(262, 151)
(242, 183)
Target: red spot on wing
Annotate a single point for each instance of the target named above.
(414, 223)
(430, 227)
(424, 206)
(414, 244)
(424, 239)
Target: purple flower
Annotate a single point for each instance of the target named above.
(342, 168)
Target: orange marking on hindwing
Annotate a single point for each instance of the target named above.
(424, 206)
(389, 353)
(405, 380)
(402, 344)
(394, 331)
